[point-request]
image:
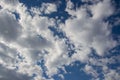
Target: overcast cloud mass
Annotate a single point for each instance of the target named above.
(59, 40)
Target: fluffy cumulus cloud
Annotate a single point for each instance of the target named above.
(30, 50)
(89, 31)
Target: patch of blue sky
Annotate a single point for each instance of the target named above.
(17, 16)
(99, 70)
(113, 19)
(60, 14)
(75, 72)
(116, 32)
(31, 3)
(42, 65)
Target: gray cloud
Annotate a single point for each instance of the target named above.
(7, 54)
(35, 42)
(9, 27)
(7, 74)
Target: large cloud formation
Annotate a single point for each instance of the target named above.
(27, 40)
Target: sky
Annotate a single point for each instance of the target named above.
(59, 39)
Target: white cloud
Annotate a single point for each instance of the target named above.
(34, 38)
(81, 55)
(9, 4)
(91, 32)
(57, 58)
(103, 8)
(90, 70)
(102, 64)
(48, 8)
(24, 39)
(110, 74)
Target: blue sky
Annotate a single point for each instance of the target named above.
(59, 39)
